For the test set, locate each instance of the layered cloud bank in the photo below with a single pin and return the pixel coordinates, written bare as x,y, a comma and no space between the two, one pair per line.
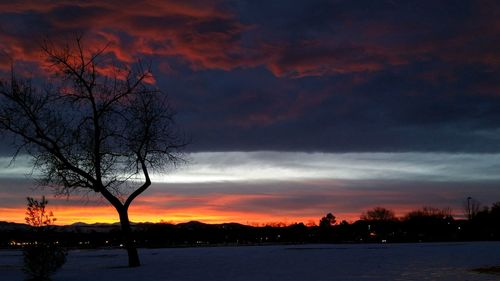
275,166
294,108
304,76
260,187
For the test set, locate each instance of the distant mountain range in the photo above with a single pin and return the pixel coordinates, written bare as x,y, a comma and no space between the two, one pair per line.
82,227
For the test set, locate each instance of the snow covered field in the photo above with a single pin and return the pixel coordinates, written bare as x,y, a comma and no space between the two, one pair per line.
426,261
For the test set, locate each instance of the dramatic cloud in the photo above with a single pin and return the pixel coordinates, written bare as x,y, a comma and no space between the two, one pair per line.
205,35
262,187
294,108
270,166
307,39
308,76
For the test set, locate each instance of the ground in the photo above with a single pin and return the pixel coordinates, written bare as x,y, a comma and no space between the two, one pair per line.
425,261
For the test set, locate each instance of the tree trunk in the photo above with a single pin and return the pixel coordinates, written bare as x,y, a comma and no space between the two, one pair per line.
128,241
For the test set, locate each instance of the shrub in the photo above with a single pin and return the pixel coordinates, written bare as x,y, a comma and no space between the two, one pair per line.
41,261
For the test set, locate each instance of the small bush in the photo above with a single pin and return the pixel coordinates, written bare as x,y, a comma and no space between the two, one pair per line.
41,261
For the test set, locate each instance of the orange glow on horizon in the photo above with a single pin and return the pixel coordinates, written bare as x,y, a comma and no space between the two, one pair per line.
106,214
213,208
259,208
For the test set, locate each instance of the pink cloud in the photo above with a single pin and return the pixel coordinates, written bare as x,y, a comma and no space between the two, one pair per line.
208,35
202,33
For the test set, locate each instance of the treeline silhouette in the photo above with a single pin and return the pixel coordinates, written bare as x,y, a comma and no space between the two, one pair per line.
375,226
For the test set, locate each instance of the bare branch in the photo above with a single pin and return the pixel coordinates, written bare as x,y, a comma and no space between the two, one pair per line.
92,131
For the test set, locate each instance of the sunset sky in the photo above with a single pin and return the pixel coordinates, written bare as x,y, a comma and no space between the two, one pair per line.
295,108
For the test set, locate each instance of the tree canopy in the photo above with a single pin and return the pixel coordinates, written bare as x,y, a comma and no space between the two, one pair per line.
95,125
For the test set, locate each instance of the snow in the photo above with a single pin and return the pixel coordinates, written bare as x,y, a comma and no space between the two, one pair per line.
425,261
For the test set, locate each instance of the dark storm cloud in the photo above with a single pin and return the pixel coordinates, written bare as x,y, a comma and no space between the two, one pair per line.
299,75
352,76
387,111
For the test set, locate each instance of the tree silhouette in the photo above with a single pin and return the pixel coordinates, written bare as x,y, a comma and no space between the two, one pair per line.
379,214
36,215
327,221
96,126
429,212
43,258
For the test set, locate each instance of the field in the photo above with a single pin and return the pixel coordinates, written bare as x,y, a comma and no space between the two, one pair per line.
425,261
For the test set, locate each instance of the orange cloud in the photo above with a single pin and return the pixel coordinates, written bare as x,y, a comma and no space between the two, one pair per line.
209,35
317,58
298,202
203,33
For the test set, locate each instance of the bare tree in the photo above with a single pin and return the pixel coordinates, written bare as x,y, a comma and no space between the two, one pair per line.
95,126
379,214
430,212
36,214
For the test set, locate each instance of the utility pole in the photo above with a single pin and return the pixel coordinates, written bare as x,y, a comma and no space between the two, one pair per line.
469,212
